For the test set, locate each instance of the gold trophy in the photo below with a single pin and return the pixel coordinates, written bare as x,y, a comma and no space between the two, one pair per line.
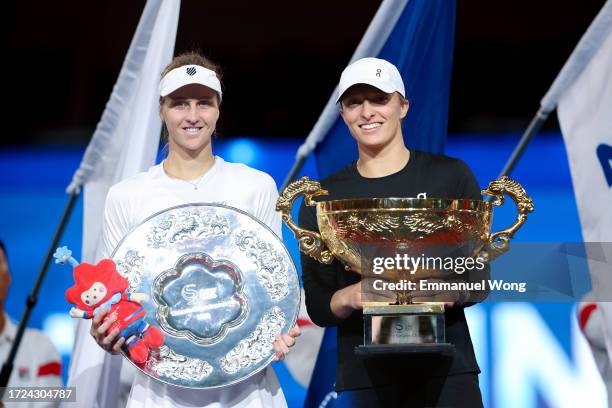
400,227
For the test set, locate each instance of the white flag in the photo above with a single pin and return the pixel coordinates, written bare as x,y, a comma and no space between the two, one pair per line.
585,114
124,143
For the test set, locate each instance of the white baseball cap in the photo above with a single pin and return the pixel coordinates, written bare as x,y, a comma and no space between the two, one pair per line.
377,72
186,75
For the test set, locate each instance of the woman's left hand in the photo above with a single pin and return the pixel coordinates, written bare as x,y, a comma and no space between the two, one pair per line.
284,342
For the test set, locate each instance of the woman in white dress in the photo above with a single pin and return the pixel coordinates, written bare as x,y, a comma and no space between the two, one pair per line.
190,97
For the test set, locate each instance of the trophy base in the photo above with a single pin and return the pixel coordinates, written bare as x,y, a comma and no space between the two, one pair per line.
414,325
446,349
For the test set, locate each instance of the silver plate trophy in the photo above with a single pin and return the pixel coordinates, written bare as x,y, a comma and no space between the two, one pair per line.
222,285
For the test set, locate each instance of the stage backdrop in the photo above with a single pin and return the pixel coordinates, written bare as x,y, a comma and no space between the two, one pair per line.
531,355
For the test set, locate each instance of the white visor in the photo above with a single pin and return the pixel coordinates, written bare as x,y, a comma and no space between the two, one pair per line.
186,75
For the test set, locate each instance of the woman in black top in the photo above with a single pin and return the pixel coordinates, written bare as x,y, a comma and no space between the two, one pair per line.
373,104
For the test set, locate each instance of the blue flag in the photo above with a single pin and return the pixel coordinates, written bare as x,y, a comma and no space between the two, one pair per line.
420,44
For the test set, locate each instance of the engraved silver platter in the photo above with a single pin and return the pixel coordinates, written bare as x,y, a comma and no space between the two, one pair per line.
221,286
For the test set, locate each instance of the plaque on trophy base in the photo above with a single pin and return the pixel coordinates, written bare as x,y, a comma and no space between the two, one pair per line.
405,329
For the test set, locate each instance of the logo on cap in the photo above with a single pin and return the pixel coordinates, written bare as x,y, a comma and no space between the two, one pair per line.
191,71
378,72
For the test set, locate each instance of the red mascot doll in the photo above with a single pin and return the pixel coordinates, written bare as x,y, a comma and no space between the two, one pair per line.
99,287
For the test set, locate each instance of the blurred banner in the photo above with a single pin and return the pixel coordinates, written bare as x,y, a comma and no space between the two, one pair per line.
585,116
417,36
124,143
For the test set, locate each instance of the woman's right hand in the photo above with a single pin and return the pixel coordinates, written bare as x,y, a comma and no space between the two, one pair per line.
351,298
99,326
346,300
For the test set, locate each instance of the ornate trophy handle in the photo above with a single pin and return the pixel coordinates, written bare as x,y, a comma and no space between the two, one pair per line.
524,205
310,242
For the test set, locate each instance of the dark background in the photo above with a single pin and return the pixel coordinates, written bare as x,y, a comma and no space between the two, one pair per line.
281,60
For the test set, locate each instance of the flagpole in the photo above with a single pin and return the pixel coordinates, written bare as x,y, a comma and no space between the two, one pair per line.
576,63
533,128
31,300
297,166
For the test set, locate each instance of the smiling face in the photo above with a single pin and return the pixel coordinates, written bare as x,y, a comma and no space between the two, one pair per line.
190,114
373,116
94,294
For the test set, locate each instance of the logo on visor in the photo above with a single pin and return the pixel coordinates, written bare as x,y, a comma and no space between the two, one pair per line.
191,71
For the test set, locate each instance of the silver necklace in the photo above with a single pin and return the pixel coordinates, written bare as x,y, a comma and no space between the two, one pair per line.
195,183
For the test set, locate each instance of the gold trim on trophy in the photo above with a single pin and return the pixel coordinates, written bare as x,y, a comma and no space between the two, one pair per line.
408,226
